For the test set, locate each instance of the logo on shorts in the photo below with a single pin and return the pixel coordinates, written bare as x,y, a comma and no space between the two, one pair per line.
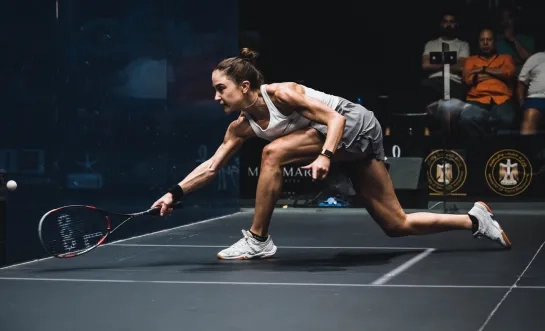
508,172
447,171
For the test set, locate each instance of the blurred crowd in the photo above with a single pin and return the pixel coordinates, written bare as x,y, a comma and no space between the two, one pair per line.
497,87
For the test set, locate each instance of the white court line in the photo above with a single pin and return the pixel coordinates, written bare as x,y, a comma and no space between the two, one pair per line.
283,247
510,289
190,282
136,237
385,278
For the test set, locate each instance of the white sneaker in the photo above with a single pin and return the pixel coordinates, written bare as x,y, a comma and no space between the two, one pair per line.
248,248
488,226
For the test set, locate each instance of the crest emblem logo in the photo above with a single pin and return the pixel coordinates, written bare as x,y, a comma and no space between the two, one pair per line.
447,171
508,172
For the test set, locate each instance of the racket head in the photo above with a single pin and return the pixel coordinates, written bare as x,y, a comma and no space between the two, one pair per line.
73,230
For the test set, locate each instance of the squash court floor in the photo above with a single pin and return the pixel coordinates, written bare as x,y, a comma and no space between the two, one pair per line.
334,270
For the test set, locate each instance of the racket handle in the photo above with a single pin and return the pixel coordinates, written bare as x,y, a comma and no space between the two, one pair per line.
155,211
177,205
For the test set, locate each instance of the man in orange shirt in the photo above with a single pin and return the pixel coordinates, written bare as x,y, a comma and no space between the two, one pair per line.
490,77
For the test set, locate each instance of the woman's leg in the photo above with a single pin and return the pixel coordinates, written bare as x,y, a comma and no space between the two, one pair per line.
375,191
300,146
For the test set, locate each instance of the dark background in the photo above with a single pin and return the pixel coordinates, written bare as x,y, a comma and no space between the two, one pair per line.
365,49
110,102
109,105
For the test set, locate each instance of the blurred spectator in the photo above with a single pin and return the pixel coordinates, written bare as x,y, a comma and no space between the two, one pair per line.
531,92
433,85
490,78
511,41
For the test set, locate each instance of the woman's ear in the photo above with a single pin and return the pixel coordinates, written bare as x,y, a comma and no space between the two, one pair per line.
245,86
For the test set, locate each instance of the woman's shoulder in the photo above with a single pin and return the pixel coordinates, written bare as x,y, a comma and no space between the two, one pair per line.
273,88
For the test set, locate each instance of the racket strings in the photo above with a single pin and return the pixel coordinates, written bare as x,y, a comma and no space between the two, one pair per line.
69,232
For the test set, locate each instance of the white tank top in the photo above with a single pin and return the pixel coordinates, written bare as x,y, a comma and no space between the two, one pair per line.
330,100
280,124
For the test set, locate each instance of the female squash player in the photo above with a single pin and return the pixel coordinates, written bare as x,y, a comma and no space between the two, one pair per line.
306,125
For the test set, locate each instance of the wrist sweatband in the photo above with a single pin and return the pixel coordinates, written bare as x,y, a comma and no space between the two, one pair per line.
177,192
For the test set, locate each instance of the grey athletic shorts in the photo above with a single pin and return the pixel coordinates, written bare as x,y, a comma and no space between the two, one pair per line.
362,132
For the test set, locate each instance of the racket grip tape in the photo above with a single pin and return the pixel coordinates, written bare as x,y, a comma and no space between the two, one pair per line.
177,205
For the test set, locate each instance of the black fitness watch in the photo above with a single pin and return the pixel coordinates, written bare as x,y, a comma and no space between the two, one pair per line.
326,153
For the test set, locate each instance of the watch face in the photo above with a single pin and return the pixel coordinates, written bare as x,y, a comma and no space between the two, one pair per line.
326,153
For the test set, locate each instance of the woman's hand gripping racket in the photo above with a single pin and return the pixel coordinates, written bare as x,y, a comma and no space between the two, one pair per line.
74,230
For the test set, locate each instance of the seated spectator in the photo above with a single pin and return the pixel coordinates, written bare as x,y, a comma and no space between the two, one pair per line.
512,42
433,85
490,78
531,93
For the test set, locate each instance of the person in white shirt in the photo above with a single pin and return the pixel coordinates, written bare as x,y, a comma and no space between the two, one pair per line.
433,84
531,93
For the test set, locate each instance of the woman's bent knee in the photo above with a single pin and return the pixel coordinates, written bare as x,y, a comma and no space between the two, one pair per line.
395,230
272,154
394,224
298,145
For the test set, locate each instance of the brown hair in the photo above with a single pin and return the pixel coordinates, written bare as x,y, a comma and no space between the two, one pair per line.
242,67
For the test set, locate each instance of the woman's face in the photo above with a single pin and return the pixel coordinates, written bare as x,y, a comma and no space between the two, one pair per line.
228,93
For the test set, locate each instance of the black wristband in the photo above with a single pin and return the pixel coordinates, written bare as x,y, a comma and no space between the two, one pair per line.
177,192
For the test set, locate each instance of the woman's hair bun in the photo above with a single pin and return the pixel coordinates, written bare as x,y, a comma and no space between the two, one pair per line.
249,55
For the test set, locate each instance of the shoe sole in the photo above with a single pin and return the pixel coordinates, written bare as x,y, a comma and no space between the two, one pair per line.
503,234
247,257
